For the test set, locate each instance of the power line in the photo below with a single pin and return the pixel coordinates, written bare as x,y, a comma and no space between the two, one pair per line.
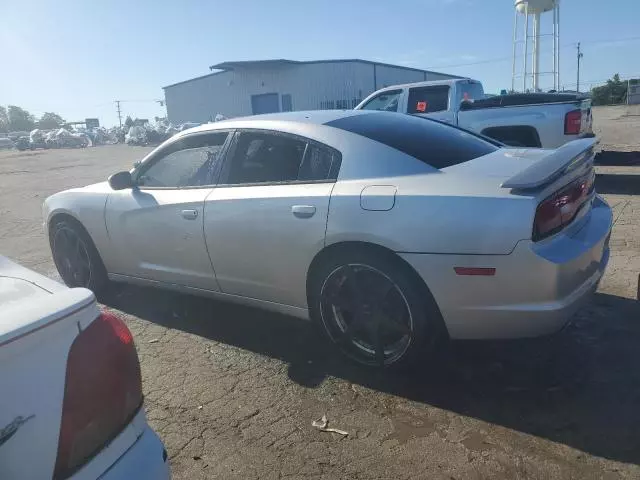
503,59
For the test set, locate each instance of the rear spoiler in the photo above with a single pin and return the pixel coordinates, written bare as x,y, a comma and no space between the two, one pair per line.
554,165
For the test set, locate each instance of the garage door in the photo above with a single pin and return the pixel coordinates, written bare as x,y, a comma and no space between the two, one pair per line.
265,103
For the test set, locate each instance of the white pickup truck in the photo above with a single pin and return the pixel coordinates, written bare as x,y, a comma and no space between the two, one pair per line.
71,402
546,120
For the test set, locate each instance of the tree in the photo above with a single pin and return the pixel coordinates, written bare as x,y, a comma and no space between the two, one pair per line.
4,120
19,119
615,91
50,121
128,122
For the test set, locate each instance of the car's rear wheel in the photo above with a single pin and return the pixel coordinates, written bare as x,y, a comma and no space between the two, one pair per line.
76,257
373,309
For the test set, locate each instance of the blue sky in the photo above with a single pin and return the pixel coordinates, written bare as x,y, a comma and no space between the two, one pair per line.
77,57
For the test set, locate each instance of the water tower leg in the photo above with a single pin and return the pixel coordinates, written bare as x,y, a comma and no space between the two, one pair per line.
555,49
515,43
536,52
526,47
558,40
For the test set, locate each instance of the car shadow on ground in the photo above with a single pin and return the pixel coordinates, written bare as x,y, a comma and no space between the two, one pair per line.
580,387
616,158
618,184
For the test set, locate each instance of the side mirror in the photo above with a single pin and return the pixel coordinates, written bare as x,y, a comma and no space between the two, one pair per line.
120,181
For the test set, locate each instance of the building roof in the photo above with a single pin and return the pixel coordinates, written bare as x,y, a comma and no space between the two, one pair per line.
281,62
278,62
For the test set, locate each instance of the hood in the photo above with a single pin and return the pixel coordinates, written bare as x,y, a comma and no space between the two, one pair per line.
101,187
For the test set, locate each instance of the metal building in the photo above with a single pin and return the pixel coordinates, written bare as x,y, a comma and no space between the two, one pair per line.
265,86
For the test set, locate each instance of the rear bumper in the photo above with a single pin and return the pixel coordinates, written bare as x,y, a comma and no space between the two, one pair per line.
535,289
145,460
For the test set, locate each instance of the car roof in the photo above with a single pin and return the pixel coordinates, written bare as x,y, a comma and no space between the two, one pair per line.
317,117
427,83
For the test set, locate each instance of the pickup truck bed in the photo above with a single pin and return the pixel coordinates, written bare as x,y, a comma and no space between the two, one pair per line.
519,99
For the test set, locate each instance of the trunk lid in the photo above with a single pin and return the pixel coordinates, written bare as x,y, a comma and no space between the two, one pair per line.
39,321
526,172
555,164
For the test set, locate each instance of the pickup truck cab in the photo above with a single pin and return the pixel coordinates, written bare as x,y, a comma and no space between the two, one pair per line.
547,120
71,403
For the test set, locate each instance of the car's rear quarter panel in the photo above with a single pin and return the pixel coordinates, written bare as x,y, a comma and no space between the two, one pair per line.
429,217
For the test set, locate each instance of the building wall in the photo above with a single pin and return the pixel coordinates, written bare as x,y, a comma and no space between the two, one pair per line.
312,86
634,93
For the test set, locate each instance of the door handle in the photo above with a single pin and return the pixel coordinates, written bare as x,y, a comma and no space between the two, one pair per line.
303,211
189,214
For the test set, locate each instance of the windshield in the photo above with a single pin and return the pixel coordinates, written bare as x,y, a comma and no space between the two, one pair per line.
385,101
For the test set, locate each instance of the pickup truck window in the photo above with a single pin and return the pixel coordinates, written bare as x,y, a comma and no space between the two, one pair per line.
431,142
428,99
470,91
387,101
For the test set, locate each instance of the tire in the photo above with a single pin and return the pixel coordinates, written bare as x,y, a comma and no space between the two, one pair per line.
76,256
393,302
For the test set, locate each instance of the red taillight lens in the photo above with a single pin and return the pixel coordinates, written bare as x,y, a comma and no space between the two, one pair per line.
561,208
103,391
572,122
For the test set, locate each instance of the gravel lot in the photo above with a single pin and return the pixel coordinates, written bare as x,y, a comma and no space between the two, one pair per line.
233,391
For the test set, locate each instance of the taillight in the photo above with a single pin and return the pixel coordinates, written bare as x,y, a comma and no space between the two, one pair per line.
572,122
103,392
560,209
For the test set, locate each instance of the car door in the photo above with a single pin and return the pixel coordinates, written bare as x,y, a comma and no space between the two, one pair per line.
156,227
266,219
431,101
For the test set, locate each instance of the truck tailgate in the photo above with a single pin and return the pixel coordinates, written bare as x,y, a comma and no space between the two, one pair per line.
37,328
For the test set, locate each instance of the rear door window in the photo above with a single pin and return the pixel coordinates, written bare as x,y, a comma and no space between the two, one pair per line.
428,99
263,157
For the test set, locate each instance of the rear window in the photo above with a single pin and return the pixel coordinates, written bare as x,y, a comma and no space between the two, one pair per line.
428,99
432,142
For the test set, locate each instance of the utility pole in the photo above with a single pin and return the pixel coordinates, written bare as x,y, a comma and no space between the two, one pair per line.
119,113
578,79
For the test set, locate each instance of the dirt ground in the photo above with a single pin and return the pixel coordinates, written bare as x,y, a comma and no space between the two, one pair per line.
232,391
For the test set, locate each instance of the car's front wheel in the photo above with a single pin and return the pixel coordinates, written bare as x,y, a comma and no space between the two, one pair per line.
373,308
76,257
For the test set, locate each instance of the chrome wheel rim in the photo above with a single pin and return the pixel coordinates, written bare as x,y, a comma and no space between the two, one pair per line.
71,257
366,314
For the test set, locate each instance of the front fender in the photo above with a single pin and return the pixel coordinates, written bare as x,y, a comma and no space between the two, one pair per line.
85,206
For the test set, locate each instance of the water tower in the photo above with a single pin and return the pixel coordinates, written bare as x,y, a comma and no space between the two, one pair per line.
526,42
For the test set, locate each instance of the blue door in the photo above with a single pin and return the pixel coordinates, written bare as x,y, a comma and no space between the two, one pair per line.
265,103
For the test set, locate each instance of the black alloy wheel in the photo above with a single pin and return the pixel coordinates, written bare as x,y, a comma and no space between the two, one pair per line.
366,314
71,256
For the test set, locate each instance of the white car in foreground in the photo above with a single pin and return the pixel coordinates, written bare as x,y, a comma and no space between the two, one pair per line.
71,402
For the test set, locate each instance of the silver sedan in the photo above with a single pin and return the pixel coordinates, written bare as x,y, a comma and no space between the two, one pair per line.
391,232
